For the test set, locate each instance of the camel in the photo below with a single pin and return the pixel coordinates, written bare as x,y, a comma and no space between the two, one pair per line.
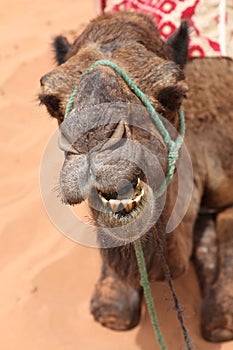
110,142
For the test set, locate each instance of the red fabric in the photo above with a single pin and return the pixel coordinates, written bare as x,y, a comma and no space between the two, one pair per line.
167,15
102,5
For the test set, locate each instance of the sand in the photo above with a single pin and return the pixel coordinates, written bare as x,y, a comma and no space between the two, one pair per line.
46,280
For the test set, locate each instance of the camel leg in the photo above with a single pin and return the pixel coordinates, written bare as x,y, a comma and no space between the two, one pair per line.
115,304
214,260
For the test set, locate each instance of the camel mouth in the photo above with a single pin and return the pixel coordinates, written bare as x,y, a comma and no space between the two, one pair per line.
126,202
126,216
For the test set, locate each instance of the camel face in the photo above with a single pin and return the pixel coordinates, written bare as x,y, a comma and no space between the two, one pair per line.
115,156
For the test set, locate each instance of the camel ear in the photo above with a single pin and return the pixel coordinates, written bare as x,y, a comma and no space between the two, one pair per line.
61,48
171,97
178,41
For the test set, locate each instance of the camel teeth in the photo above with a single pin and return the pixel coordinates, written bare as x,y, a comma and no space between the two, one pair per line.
127,204
125,201
129,207
139,197
104,200
138,186
114,204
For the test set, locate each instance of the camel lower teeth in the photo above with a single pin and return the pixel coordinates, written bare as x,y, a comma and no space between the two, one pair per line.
128,205
117,205
114,204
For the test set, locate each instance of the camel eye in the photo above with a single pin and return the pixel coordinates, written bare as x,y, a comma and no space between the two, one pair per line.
171,97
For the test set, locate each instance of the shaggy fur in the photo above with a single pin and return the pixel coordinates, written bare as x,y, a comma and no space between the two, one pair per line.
132,41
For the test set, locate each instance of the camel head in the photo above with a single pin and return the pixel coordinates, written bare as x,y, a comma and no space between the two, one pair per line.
115,157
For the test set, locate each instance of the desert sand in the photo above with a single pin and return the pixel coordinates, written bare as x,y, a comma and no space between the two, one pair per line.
46,280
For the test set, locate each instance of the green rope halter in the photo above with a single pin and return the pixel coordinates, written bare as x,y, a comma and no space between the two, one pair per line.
173,154
173,146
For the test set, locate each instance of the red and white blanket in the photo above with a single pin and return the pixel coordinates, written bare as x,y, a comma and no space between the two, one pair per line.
211,21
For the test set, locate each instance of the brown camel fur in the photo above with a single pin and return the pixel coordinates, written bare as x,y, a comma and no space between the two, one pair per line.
97,167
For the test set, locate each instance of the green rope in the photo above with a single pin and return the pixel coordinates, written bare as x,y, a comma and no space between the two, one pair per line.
173,146
71,101
173,154
147,292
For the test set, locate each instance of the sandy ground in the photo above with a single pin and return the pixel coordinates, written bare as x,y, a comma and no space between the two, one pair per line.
46,280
